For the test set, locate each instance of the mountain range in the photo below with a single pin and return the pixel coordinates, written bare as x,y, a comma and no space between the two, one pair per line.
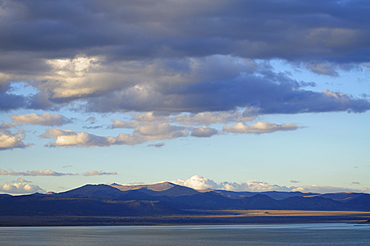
170,199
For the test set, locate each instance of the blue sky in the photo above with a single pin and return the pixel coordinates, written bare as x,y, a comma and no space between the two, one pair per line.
239,95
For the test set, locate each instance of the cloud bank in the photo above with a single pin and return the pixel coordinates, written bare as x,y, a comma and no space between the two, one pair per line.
178,56
201,183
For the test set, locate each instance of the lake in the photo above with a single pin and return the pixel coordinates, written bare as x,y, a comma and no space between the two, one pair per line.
194,235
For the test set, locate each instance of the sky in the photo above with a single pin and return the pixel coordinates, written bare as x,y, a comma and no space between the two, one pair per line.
250,95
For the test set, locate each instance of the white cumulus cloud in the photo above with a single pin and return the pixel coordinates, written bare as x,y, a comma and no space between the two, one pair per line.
198,182
83,139
20,188
72,138
9,140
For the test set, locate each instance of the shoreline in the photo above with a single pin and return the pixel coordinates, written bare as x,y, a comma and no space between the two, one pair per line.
223,217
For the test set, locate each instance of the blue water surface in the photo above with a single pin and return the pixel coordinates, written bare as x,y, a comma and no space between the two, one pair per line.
193,235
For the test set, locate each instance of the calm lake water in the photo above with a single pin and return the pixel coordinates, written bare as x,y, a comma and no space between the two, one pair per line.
202,235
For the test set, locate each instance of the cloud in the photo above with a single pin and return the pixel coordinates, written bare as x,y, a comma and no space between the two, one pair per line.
98,173
323,189
320,68
45,119
10,101
147,127
21,180
72,138
160,131
149,117
49,172
157,145
153,126
5,125
270,93
200,183
178,69
129,139
9,140
123,124
91,120
55,132
92,127
327,30
46,172
20,188
208,118
197,182
255,186
260,127
203,132
181,56
83,139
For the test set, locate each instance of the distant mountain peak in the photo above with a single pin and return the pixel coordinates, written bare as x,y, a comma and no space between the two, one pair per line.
162,186
92,190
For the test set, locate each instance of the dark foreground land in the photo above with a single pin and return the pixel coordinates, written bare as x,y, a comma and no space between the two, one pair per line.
224,217
169,204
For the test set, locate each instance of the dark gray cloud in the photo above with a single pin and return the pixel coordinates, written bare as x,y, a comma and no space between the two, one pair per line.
169,28
179,56
270,94
92,127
